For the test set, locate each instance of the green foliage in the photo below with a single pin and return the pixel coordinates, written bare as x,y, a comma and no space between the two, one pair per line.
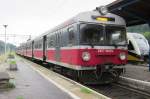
143,29
147,36
10,85
85,90
10,47
2,58
20,97
139,28
13,62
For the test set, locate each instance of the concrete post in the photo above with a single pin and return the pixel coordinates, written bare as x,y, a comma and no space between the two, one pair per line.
5,26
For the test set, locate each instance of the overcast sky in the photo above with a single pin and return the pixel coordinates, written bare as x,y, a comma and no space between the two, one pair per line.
33,17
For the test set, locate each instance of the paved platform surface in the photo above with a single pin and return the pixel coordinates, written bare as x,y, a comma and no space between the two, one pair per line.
138,72
30,85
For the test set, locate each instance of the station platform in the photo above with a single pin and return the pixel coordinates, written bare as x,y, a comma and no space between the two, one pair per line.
137,77
33,81
30,85
139,72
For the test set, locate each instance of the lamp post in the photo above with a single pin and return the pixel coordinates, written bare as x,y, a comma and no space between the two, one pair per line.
5,26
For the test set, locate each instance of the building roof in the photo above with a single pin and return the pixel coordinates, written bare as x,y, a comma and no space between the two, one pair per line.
135,12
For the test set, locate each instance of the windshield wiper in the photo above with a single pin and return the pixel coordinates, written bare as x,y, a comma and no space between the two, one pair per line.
115,45
91,44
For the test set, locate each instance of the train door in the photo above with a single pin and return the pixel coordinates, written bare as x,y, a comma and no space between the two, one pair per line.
44,47
57,47
32,49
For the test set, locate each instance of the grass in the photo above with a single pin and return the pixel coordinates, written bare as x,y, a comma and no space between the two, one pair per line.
2,58
12,62
85,90
20,97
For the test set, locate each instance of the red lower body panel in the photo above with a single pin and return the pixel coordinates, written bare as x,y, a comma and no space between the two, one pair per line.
38,54
98,57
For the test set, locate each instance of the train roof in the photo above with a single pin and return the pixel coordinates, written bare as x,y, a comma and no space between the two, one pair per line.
87,17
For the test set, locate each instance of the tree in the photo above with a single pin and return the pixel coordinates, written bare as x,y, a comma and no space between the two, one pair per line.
147,35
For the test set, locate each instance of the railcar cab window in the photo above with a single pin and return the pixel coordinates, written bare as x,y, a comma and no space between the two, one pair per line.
115,35
91,34
71,35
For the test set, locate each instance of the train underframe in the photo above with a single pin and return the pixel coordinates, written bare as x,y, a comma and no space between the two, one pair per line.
91,77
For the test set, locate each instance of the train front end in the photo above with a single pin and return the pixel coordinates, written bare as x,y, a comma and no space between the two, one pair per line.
103,48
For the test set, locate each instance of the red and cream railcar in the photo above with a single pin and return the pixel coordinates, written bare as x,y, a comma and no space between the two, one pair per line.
29,49
21,50
91,47
38,48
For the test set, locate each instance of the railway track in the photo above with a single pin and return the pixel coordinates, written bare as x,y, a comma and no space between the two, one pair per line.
119,91
133,89
116,90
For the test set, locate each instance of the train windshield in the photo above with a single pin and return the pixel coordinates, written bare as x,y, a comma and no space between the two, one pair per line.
115,35
91,34
102,35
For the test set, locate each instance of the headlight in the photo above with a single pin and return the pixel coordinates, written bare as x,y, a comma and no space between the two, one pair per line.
86,56
122,56
103,10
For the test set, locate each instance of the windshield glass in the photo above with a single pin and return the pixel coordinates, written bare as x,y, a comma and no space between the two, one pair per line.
91,34
99,35
115,35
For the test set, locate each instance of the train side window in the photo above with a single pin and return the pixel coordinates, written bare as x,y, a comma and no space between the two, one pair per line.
50,44
71,35
130,46
60,37
52,40
41,44
49,41
37,44
64,36
55,39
